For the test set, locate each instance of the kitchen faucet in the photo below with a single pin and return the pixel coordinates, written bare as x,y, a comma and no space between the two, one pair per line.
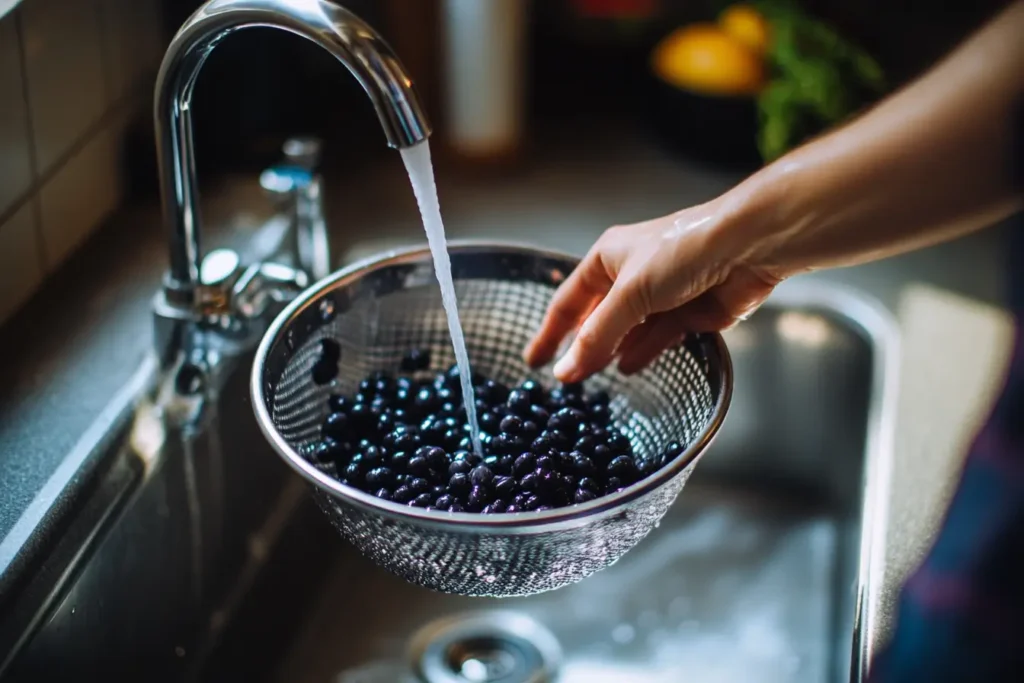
218,295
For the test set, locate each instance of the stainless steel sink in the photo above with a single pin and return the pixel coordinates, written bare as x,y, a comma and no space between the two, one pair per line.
759,572
208,562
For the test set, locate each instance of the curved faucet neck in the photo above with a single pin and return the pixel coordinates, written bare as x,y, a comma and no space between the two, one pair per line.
330,26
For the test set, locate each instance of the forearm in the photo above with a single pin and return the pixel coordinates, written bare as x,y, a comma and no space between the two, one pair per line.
932,162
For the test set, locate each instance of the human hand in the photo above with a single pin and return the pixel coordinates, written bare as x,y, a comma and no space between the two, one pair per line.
642,287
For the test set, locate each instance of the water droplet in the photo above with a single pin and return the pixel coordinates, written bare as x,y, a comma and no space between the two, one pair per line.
327,309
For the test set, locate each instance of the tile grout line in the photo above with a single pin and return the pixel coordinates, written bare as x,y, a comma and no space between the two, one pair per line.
33,162
119,107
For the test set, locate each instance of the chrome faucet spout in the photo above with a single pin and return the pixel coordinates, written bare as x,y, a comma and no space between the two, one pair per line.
332,27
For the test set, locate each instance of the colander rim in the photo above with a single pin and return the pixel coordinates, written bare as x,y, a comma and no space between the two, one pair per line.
527,522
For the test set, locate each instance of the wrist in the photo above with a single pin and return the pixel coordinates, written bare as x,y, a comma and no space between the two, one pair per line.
754,223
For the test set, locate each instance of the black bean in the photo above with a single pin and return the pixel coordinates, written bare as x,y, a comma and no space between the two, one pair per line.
407,441
519,402
417,359
524,464
582,465
622,467
489,422
548,483
329,450
336,426
496,508
512,424
459,467
403,494
380,477
585,445
546,463
354,473
423,500
600,415
469,456
372,456
505,487
436,457
324,370
418,465
399,461
339,403
478,498
459,484
481,476
533,389
583,496
602,455
619,444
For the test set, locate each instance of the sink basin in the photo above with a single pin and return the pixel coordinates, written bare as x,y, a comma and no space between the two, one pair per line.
211,562
757,574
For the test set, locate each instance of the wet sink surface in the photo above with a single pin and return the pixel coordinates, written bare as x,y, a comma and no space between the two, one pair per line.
751,576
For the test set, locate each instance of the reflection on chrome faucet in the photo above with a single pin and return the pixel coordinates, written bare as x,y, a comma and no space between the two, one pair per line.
332,27
295,186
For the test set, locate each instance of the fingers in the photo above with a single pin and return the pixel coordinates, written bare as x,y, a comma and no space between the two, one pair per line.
599,336
666,329
575,298
717,309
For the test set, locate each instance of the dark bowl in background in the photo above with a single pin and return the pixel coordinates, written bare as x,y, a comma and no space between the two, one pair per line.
715,130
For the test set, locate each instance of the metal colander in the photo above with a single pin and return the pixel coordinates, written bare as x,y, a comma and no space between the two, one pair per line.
381,309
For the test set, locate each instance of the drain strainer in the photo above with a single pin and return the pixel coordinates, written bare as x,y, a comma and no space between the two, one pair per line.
485,647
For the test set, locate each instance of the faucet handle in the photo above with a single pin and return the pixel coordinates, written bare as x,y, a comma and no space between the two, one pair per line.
230,291
218,274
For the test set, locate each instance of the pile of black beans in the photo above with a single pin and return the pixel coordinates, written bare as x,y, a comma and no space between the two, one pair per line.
406,439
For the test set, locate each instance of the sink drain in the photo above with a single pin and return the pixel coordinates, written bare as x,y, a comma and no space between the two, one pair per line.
485,647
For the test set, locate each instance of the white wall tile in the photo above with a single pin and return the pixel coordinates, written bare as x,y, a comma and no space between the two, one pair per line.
132,41
79,196
63,62
21,264
15,153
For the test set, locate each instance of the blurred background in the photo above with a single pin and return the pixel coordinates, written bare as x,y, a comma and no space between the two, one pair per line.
553,119
522,94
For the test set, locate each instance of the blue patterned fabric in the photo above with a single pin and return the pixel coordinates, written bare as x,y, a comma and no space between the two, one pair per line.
961,615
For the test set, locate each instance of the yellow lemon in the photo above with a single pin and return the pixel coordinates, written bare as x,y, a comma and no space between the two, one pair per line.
747,25
703,58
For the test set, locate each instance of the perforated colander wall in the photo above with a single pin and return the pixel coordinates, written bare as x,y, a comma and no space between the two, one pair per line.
380,316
